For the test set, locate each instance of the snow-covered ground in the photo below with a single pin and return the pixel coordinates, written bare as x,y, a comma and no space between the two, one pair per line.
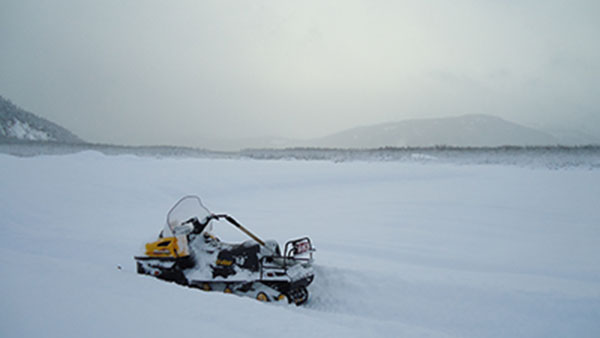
404,249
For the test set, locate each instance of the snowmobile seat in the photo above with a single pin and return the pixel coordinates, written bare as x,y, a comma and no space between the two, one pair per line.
243,255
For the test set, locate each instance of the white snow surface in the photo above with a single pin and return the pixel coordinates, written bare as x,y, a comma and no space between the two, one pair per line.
403,249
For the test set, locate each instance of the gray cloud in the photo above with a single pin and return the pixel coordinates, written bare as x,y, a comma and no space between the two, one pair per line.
143,72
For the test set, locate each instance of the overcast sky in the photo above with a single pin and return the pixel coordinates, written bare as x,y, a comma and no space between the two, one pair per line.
168,72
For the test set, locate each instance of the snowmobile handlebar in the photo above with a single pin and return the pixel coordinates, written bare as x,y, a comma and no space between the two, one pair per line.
197,226
194,221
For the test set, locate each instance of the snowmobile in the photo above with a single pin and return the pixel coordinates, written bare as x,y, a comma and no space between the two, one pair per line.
188,253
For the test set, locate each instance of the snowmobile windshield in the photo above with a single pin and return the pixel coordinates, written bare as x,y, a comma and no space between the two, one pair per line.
188,210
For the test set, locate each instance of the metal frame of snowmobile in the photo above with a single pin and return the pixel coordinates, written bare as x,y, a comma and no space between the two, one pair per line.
293,245
278,285
290,248
288,256
278,274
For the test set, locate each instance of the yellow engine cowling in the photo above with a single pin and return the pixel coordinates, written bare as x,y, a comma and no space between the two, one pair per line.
168,247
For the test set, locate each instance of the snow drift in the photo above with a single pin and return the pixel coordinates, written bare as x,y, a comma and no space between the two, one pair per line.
404,249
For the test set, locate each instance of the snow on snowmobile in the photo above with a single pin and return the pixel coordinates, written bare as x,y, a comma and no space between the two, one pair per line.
188,253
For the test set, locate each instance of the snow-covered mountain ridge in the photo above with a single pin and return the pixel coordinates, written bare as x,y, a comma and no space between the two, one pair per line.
473,130
17,124
462,131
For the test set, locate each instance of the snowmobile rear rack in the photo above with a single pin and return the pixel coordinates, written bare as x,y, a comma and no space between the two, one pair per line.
293,249
297,247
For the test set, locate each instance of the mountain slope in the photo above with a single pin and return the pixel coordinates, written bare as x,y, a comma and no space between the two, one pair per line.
17,124
467,130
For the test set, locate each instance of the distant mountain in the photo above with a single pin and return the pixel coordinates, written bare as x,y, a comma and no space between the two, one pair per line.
462,131
577,129
572,137
17,124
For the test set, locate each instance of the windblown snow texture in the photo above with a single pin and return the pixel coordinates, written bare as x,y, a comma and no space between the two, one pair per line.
403,249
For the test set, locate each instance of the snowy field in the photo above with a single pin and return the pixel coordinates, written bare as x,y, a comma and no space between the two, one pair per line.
404,249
